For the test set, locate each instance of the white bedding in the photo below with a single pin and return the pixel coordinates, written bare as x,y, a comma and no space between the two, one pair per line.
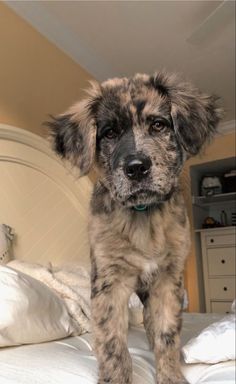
71,360
221,373
215,344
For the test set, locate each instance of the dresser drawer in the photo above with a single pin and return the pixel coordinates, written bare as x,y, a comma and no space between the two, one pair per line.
222,289
221,306
216,240
221,261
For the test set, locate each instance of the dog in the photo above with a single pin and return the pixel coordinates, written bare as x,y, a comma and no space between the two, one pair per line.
137,132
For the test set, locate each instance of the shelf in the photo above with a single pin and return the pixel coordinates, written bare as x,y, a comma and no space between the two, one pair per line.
209,200
227,228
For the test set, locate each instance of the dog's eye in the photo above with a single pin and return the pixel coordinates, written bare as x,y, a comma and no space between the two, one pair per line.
157,126
110,133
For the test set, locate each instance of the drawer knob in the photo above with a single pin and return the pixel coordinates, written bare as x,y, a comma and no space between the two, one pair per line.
222,261
212,240
225,289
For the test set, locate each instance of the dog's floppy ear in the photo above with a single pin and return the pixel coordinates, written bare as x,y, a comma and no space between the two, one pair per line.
195,115
74,132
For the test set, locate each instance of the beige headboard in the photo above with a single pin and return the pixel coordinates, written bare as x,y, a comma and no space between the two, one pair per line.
41,200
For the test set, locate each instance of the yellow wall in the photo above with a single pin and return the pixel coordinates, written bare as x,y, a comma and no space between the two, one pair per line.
222,147
36,78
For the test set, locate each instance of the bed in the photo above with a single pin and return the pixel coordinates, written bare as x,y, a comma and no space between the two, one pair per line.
38,195
71,360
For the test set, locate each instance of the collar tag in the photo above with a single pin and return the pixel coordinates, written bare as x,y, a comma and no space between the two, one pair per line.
140,207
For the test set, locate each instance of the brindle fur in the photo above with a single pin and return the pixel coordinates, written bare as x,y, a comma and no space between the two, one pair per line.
136,251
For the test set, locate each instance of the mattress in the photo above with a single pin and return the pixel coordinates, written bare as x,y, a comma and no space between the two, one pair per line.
71,360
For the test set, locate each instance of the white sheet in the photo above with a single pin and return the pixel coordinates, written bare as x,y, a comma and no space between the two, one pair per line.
71,360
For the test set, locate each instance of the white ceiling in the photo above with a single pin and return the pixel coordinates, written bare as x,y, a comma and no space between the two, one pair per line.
117,38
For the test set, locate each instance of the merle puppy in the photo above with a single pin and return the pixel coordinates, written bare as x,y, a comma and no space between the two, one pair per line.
137,132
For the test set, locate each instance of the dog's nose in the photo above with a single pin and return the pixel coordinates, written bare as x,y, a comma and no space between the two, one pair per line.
137,167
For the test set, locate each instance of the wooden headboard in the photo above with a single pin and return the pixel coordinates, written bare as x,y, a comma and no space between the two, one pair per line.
42,201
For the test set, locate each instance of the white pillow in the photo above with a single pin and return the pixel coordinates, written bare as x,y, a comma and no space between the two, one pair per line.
214,344
29,311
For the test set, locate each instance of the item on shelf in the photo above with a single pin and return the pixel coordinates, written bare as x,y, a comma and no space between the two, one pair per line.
211,185
223,218
229,181
210,222
234,218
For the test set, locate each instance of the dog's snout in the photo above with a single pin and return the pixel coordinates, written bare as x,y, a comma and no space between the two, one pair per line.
137,167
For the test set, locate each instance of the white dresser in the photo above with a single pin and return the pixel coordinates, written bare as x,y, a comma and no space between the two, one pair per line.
218,258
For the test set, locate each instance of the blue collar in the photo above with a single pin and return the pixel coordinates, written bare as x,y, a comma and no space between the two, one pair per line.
140,207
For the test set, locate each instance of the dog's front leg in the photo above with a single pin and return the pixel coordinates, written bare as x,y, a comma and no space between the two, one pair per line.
109,303
162,320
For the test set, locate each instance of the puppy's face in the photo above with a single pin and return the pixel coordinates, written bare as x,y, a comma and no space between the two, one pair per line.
138,132
137,151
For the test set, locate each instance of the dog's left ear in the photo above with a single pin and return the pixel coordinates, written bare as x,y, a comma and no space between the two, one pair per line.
74,132
195,116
